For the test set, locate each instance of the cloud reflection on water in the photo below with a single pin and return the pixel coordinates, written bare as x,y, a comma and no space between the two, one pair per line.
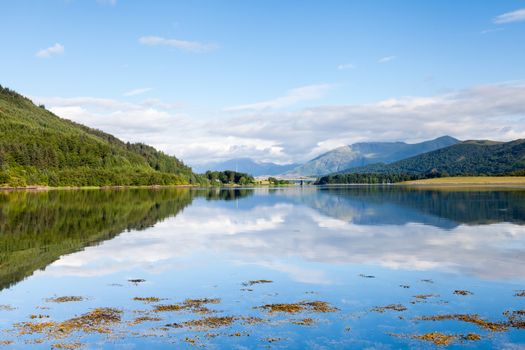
288,232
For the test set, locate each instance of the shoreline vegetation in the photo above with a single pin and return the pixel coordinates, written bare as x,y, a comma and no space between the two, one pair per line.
459,181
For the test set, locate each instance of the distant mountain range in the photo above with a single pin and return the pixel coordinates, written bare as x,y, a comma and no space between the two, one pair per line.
364,153
466,158
246,165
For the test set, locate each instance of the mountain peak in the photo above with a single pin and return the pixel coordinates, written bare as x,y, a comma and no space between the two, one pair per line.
364,153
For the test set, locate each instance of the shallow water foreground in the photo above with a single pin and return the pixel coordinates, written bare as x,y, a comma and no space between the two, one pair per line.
320,268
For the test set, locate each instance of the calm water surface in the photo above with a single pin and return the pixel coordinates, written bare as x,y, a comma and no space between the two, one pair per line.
356,248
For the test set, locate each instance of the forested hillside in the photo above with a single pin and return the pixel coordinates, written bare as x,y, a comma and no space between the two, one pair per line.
40,148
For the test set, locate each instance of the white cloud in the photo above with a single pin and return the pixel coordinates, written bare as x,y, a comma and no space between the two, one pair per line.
121,118
346,66
184,45
136,92
509,17
386,59
56,49
490,111
294,96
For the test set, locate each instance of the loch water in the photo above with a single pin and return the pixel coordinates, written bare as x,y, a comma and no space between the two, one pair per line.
350,267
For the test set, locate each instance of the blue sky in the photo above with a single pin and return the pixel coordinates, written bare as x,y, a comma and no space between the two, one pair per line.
272,80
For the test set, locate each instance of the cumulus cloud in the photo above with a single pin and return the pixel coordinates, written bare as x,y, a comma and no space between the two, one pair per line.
54,50
386,59
184,45
294,96
122,118
266,133
479,112
509,17
136,92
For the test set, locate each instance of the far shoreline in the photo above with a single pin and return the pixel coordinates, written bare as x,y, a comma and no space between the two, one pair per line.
122,187
441,182
474,181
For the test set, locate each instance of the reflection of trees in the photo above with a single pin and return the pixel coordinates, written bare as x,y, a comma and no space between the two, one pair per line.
36,228
228,193
443,208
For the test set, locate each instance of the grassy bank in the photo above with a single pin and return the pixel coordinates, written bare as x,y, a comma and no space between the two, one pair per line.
471,181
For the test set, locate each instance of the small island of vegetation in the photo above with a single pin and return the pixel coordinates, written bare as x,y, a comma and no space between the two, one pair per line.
229,177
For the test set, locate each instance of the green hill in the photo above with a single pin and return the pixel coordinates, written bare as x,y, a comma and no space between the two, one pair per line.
469,158
40,148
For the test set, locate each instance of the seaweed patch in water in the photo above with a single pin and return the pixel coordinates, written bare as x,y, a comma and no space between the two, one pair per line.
193,305
442,339
471,337
320,306
35,327
65,299
304,322
516,318
394,307
98,320
192,340
196,303
168,307
292,308
288,308
421,298
473,318
425,296
462,292
251,283
437,338
70,346
148,299
38,316
143,319
210,322
251,320
272,339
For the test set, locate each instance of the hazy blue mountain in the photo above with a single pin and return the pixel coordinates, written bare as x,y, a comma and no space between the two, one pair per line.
364,153
246,165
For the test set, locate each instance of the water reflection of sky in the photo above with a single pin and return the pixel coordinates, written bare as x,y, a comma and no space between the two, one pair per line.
313,245
267,234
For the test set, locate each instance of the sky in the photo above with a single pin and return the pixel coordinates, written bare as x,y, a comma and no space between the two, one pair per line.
273,80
